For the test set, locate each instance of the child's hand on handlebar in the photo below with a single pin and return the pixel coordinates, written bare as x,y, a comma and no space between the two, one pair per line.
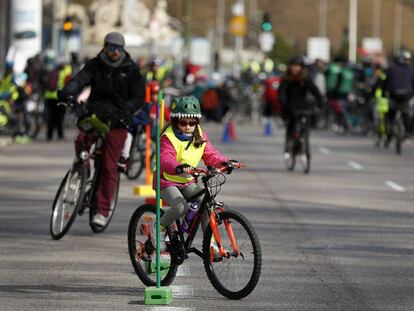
231,164
184,169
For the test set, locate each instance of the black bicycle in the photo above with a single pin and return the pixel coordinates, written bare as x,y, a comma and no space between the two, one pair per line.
230,252
77,191
298,144
136,160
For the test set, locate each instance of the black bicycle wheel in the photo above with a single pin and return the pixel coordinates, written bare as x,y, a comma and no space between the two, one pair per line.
67,202
289,157
398,134
136,162
32,125
306,155
235,276
112,206
142,253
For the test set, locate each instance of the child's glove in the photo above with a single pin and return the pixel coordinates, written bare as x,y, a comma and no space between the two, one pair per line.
230,165
183,168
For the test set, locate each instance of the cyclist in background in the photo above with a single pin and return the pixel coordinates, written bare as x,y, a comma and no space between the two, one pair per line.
183,144
117,92
295,86
140,120
400,86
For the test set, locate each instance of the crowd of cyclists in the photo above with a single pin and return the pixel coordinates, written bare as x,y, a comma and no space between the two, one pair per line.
363,98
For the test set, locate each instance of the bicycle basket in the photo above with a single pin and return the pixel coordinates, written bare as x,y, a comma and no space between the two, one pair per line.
215,183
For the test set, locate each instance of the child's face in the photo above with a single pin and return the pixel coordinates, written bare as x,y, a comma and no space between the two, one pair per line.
187,125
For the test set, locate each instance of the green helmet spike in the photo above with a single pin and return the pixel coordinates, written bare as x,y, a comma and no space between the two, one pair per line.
185,107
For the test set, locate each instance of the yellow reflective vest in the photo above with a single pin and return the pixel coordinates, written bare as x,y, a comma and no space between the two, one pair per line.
62,76
190,156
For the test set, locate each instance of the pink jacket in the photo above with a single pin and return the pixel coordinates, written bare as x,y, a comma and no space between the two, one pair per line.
168,161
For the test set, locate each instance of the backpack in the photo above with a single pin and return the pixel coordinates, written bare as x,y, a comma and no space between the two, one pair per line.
346,82
52,80
210,100
332,77
400,83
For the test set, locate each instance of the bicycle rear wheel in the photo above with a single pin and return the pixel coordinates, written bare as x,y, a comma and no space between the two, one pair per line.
234,277
67,202
112,206
142,252
135,163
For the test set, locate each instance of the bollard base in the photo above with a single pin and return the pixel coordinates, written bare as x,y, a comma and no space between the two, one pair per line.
158,295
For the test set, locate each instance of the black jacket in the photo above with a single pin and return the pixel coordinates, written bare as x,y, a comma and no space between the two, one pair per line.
400,81
293,94
116,93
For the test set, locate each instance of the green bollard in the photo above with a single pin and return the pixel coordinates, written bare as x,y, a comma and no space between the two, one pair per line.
160,295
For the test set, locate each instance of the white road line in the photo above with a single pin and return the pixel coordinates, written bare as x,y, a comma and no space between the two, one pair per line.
355,165
182,291
168,308
395,186
324,150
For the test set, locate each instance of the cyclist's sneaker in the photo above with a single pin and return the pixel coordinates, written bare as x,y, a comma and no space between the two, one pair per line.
153,234
122,164
99,220
214,253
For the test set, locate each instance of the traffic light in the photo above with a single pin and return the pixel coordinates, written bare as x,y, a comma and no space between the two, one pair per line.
266,24
67,25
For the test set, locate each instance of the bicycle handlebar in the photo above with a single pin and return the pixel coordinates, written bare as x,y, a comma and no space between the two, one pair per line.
210,170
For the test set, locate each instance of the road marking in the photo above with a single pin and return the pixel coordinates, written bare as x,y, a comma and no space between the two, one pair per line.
182,291
324,150
355,165
395,186
168,309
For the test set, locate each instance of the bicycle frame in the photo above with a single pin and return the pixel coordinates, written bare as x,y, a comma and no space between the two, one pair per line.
207,205
301,130
94,181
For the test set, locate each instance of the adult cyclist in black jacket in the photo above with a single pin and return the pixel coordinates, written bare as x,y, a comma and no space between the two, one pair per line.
399,84
117,92
293,90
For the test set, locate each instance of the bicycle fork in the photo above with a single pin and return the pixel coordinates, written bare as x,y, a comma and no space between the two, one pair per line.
217,237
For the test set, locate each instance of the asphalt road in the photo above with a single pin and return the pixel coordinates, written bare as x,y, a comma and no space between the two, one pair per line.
340,238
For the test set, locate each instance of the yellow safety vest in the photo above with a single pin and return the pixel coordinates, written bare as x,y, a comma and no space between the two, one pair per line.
63,74
191,156
381,101
7,86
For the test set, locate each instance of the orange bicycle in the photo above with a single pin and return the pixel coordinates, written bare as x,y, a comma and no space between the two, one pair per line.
230,249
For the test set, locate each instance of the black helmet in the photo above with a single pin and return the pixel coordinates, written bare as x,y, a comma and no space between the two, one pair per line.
297,60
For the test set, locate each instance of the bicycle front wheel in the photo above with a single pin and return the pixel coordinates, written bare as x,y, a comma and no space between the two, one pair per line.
68,201
399,135
306,155
142,252
236,275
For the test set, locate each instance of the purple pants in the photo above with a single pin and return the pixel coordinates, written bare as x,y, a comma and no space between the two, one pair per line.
111,152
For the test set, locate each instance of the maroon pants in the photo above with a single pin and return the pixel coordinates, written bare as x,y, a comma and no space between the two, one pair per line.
111,152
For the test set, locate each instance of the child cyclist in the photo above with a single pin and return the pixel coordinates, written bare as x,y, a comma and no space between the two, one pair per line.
183,144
